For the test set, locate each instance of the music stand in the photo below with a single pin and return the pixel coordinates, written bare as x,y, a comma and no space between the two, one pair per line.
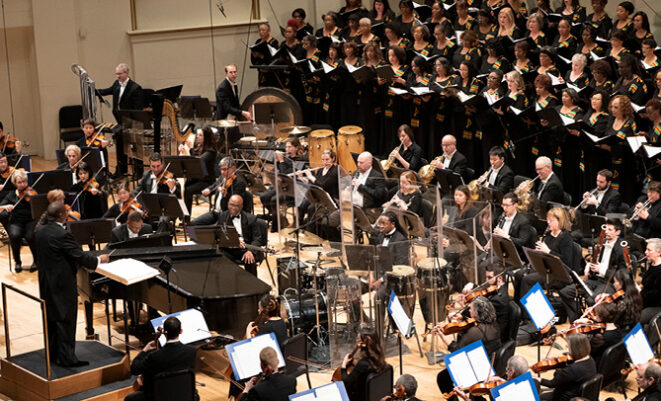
217,235
465,240
492,195
369,258
506,251
448,180
146,241
25,164
92,231
171,93
95,160
360,219
165,205
415,226
285,183
590,224
186,166
548,266
53,179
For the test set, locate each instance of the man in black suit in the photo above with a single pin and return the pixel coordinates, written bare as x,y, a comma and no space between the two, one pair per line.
501,176
227,97
603,199
369,187
275,386
249,234
219,188
58,259
549,187
514,225
648,222
452,159
172,357
648,378
391,236
133,228
148,184
611,259
126,95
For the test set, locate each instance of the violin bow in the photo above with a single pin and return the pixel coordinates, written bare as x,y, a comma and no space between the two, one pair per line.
83,190
165,170
120,209
81,159
26,192
12,173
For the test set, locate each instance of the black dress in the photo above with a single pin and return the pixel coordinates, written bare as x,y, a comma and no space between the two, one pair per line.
91,206
277,327
356,380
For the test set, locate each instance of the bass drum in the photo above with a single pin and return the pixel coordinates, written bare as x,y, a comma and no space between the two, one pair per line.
302,317
350,139
433,283
401,280
318,141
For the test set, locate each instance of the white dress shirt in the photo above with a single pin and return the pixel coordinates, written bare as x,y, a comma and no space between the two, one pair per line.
122,87
493,175
447,159
507,225
357,196
236,221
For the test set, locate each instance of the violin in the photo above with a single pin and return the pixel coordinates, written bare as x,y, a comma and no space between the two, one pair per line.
627,257
91,184
458,327
613,297
131,203
7,173
73,215
26,194
481,293
337,374
96,140
630,369
477,389
399,394
165,177
551,364
7,143
228,182
583,328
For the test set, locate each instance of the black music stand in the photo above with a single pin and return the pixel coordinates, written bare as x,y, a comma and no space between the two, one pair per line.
374,258
39,204
506,251
360,219
590,224
467,242
448,180
165,205
53,179
492,195
146,241
186,166
171,93
220,236
92,231
548,266
95,160
376,164
25,164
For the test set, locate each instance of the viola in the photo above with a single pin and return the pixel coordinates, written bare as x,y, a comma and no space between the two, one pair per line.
165,177
630,369
458,327
399,394
73,215
228,182
583,328
551,364
7,173
95,140
614,296
91,184
477,389
481,293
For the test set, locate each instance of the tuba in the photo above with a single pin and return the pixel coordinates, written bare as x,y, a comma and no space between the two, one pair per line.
426,172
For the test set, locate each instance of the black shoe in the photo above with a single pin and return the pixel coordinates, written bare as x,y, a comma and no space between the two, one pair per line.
33,268
18,268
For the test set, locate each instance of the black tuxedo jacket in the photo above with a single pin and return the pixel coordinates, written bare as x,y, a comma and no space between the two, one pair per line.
145,186
374,190
552,191
610,203
58,258
459,164
171,357
398,246
276,387
121,232
132,98
650,227
521,232
616,260
238,187
504,180
249,228
227,101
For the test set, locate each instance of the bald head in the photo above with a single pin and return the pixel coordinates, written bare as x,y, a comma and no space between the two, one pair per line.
449,144
235,204
364,161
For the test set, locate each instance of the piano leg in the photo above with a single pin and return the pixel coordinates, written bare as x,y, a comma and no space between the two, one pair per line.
108,321
89,322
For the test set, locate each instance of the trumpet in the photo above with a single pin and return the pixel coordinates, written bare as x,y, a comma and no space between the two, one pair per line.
391,158
592,193
629,222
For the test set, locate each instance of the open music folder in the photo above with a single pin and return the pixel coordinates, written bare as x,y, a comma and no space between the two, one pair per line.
244,355
469,365
521,388
328,392
127,271
402,320
193,326
538,307
638,346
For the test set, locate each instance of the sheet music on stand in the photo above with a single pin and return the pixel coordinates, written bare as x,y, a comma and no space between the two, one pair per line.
193,326
328,392
402,320
469,365
538,307
521,388
127,271
244,355
637,345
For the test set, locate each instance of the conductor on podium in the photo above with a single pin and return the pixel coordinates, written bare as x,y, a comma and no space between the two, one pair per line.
59,256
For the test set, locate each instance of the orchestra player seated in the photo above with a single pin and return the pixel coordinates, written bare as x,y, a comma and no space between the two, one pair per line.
368,358
229,183
5,171
611,258
205,149
115,210
16,205
408,197
566,382
606,199
152,360
91,200
651,291
452,159
410,386
514,225
249,234
485,329
325,178
274,386
158,181
549,187
648,379
409,154
501,176
648,222
73,155
133,228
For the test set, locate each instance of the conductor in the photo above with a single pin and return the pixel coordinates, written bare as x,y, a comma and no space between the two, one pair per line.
59,255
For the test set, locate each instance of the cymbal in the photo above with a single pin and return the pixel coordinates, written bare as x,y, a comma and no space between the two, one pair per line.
319,249
296,130
225,123
305,238
357,273
314,261
429,263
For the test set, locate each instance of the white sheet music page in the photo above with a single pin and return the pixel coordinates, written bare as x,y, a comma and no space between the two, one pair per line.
638,348
400,317
127,271
542,314
462,371
517,392
480,363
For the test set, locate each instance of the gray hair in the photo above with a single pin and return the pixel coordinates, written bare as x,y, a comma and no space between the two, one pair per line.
653,371
124,67
409,383
484,310
544,161
518,365
227,162
579,58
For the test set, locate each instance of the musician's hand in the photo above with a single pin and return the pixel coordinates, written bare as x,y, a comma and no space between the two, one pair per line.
150,346
574,132
381,81
247,115
355,182
644,214
250,384
206,192
498,110
594,267
592,200
465,291
171,183
604,147
399,80
599,297
541,246
460,393
586,270
94,191
2,187
583,320
248,257
250,328
9,208
18,146
346,361
437,164
500,232
105,258
280,157
543,122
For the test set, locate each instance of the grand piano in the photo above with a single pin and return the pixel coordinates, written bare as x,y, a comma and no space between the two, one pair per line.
200,278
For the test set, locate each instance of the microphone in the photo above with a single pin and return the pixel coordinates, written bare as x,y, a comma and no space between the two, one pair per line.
221,8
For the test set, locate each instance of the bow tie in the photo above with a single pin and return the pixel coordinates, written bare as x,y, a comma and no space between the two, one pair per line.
388,236
237,217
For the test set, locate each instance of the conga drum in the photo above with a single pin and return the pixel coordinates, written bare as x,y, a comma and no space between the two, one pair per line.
350,139
318,141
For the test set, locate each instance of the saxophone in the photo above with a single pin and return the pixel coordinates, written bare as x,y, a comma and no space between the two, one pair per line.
386,164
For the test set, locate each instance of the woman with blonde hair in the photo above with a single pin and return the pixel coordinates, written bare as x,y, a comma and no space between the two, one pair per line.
408,197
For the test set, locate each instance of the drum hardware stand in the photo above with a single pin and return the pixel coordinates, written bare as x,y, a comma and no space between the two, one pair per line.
434,357
321,344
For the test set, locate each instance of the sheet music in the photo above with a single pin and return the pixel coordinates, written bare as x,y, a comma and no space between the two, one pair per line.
462,371
244,355
398,314
469,365
480,362
635,142
328,392
194,327
398,91
637,346
421,90
521,388
127,271
652,150
538,308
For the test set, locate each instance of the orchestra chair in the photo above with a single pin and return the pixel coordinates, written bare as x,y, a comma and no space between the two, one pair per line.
514,321
470,173
175,386
70,130
651,330
566,199
502,356
611,363
379,385
591,388
297,347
